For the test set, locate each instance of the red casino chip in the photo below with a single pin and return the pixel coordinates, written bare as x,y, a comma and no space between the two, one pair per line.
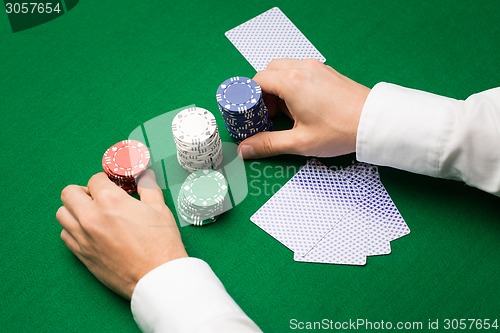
124,162
127,158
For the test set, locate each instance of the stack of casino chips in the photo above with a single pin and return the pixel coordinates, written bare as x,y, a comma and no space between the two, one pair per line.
124,162
242,107
197,139
201,197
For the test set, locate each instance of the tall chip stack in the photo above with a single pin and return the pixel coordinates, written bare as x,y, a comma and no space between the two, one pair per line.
197,139
124,162
242,107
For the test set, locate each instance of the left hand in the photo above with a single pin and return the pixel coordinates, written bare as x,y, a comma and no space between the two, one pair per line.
117,237
324,105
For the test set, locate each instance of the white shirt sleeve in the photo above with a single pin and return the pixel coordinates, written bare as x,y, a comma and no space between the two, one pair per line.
433,135
184,295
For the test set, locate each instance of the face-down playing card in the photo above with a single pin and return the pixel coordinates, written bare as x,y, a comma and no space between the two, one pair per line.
333,217
271,35
307,207
357,234
345,243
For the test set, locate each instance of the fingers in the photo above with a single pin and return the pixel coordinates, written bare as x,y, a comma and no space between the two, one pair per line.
149,191
85,189
271,102
74,247
70,242
68,221
272,82
284,108
266,144
76,199
284,63
101,187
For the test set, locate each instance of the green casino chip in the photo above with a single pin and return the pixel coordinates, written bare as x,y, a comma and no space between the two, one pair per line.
201,198
205,188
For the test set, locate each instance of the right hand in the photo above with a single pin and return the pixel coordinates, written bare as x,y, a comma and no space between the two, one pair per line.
324,105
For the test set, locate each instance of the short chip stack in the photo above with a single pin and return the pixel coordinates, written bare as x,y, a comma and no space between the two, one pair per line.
124,162
242,107
197,139
202,196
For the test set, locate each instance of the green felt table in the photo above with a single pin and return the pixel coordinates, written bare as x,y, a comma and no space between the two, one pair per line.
72,87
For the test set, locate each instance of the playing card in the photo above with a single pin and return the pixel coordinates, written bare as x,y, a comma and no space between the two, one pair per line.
360,173
379,241
307,207
344,244
271,35
335,217
394,223
387,224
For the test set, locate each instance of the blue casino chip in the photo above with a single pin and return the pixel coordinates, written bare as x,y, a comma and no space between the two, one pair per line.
242,107
238,94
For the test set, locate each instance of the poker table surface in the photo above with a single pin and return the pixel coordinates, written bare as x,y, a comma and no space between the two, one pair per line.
72,87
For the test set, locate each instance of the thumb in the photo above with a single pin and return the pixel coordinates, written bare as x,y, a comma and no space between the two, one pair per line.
149,191
266,144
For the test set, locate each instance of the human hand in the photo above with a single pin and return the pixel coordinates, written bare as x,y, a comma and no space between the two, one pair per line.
324,105
118,237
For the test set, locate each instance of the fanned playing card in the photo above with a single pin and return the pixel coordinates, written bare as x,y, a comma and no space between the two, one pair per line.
345,243
271,35
315,194
335,217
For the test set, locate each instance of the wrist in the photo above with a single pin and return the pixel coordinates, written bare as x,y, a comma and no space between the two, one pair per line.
151,266
362,95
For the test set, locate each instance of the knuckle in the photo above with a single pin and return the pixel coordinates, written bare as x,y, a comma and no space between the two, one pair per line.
91,220
158,192
311,62
84,245
85,250
304,143
272,63
268,146
66,192
296,78
94,177
111,196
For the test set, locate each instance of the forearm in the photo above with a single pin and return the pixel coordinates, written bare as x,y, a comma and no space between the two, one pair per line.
433,135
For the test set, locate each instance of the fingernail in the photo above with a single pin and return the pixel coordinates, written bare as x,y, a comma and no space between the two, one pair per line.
147,176
151,173
247,151
147,179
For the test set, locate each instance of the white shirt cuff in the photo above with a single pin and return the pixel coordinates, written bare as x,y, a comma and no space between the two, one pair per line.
433,135
184,295
404,128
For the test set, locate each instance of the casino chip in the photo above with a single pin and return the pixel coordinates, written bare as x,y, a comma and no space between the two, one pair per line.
197,139
202,196
124,162
242,108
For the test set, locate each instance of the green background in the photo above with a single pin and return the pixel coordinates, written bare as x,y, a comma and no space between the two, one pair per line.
72,87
